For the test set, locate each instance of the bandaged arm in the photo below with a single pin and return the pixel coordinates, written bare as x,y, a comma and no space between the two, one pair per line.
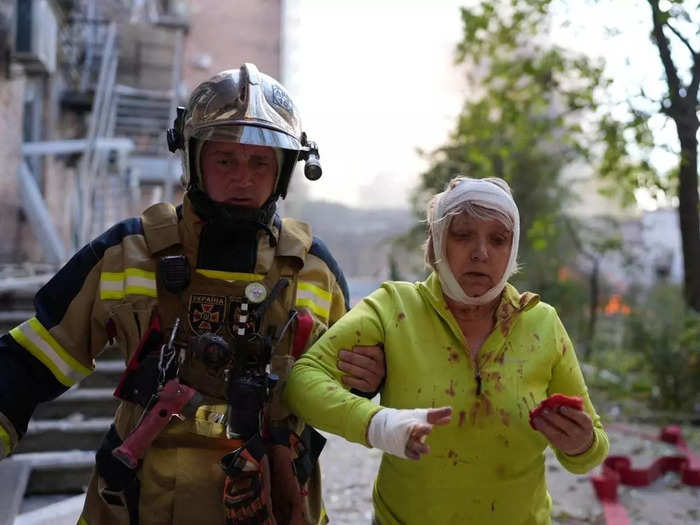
390,429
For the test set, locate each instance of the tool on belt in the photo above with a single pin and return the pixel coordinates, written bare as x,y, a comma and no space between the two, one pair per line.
172,399
170,378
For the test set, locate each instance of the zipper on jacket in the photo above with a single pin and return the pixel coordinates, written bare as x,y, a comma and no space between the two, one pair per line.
477,376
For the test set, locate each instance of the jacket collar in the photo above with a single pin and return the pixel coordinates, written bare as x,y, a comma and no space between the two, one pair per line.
295,241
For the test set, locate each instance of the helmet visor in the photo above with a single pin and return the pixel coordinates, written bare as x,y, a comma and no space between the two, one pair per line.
247,134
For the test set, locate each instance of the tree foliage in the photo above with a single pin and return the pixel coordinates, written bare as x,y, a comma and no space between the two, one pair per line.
674,33
666,335
527,118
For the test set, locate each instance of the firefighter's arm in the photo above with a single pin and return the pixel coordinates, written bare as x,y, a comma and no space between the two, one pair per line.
47,354
315,391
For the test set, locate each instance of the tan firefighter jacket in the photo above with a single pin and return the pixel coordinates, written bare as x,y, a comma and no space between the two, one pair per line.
107,293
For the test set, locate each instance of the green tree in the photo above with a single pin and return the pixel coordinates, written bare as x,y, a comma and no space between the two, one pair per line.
525,119
666,333
674,33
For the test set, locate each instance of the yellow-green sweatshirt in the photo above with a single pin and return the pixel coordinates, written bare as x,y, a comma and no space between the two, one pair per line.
487,465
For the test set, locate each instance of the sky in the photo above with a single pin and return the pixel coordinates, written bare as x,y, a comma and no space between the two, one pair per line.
375,80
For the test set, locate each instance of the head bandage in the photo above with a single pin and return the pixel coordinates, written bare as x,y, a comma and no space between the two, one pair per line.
480,193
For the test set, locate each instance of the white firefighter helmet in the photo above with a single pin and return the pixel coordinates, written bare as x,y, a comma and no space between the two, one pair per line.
245,106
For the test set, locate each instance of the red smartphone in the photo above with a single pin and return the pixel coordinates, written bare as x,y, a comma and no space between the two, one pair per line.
553,403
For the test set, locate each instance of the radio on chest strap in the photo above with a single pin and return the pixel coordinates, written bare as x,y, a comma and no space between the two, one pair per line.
160,224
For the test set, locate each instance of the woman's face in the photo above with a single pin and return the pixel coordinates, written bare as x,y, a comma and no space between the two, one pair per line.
477,252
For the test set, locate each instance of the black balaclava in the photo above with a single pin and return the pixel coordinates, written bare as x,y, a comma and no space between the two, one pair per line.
229,238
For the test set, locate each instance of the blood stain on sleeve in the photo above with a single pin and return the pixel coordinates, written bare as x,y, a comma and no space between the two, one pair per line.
506,442
452,354
451,391
505,417
462,417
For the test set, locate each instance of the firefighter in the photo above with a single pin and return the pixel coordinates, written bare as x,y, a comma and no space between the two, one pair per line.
216,297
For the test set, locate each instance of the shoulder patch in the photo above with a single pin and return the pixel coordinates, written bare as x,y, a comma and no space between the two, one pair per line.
319,249
53,299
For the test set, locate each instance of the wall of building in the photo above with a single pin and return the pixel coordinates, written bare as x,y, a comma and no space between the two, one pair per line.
224,35
11,101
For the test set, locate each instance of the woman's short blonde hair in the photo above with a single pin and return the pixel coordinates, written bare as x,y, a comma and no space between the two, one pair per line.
467,207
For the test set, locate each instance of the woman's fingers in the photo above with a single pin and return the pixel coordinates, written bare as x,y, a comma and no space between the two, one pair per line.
579,417
439,416
569,430
416,446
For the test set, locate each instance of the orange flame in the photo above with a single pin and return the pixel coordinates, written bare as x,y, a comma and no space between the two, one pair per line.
616,306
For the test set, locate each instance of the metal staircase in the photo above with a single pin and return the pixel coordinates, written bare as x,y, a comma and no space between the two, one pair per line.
124,150
144,115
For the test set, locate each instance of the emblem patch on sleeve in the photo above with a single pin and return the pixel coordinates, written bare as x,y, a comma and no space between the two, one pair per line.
207,313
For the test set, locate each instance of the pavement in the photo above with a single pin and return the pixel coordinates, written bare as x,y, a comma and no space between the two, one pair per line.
349,475
349,469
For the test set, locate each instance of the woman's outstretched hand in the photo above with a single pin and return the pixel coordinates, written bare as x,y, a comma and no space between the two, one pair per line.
568,429
416,445
403,432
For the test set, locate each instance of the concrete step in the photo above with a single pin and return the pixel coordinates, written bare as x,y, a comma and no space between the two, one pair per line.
65,510
11,318
63,434
14,476
52,472
85,402
106,375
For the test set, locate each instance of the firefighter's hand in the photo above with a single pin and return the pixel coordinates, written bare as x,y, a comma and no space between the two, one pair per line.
364,367
568,429
287,499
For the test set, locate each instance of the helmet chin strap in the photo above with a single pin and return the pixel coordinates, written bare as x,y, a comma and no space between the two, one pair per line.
229,218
